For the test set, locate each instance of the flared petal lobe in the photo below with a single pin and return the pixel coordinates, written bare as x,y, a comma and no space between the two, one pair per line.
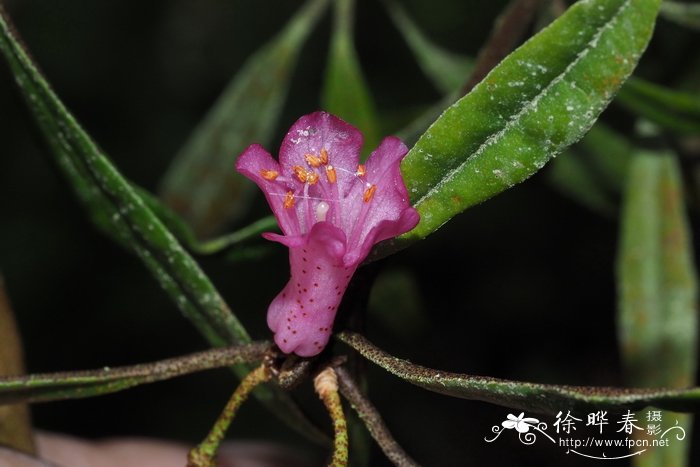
332,210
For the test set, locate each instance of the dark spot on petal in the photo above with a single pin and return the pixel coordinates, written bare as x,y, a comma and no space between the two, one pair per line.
304,259
304,250
318,267
305,290
315,284
303,271
284,340
284,295
294,332
311,300
301,306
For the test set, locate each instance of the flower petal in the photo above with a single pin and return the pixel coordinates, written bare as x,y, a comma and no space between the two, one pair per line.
302,315
321,130
389,212
254,160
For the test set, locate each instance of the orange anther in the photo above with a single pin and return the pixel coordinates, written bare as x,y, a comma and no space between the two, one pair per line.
330,174
269,174
288,200
312,160
369,193
300,173
324,156
361,171
312,177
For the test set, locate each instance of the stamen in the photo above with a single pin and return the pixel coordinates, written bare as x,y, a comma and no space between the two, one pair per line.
361,171
369,193
321,211
312,160
300,173
330,174
324,156
269,174
311,177
288,200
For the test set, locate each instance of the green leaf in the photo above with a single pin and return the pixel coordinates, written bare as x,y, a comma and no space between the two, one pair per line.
573,177
657,313
539,100
676,110
201,184
447,70
594,170
80,384
345,92
686,14
117,209
533,397
185,235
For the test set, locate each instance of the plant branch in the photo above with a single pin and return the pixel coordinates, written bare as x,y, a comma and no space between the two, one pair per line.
326,385
72,385
372,420
204,455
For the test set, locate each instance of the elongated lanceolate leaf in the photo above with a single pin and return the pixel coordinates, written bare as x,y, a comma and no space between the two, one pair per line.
687,14
186,236
117,209
594,170
79,384
345,92
115,205
676,110
539,100
657,313
533,397
201,184
448,71
658,284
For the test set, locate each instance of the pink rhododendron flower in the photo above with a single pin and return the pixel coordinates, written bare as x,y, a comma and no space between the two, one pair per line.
332,210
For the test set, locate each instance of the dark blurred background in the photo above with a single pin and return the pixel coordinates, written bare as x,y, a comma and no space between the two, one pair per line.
521,287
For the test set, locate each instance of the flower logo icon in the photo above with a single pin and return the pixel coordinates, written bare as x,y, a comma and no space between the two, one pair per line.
521,423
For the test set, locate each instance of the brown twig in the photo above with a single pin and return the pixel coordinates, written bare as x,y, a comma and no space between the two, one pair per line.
373,421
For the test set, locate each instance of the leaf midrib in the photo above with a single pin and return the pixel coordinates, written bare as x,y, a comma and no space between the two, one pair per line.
523,110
